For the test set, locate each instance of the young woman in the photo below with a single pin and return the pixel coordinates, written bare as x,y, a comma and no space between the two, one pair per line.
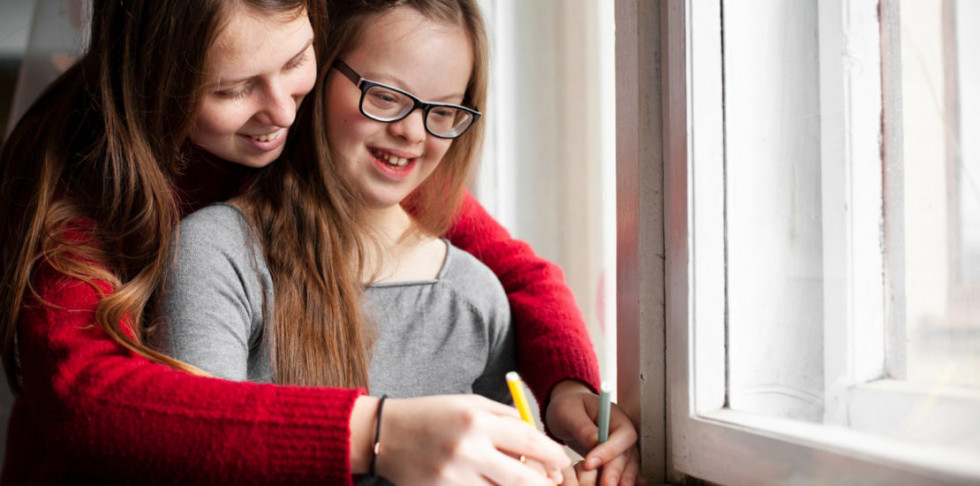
88,195
247,273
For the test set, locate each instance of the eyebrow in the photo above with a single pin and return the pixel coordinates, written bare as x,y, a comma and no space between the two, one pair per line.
231,82
446,99
397,83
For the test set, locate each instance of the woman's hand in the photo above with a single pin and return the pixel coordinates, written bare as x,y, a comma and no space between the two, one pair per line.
462,440
572,415
578,476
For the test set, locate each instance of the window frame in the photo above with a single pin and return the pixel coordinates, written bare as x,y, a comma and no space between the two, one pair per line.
659,141
640,262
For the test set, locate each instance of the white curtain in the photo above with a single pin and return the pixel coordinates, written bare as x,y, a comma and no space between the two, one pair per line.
548,170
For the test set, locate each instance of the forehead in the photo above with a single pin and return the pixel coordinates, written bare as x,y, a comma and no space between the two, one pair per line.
407,27
414,52
250,40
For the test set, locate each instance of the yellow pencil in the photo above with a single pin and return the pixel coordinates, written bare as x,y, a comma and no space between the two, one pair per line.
520,401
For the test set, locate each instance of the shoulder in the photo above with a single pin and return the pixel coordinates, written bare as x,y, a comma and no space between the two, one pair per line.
215,234
218,225
473,281
220,218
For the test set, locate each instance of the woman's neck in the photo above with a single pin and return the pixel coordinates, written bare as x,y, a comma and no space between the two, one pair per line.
206,178
390,224
406,252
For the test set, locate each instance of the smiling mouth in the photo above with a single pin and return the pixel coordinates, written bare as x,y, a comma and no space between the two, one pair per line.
267,137
390,159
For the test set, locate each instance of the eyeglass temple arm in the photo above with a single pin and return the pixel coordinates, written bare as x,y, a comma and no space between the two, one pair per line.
348,72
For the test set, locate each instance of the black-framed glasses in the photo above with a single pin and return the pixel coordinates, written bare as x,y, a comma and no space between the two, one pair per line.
383,103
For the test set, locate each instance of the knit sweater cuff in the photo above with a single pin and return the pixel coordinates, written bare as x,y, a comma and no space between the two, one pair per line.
311,433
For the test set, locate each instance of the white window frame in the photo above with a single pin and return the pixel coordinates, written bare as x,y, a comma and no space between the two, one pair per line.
669,146
640,262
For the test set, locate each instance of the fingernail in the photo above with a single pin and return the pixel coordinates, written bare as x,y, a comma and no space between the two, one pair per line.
592,463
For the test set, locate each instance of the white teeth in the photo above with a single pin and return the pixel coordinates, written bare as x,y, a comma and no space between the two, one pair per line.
392,159
269,137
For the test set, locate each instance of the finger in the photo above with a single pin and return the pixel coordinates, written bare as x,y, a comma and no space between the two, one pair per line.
506,470
575,425
632,471
518,438
613,470
534,465
622,438
584,477
585,435
570,478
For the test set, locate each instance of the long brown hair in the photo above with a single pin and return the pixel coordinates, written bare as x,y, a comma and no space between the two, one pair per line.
307,226
97,153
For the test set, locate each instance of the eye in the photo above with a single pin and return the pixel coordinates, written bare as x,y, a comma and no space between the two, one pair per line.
443,112
383,98
235,94
296,62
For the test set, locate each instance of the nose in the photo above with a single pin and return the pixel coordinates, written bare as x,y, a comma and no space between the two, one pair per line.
411,128
278,106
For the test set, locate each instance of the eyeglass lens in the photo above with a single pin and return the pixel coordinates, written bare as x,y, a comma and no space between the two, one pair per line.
388,105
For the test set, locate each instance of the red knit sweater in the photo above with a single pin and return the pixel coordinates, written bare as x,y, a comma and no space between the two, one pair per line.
92,410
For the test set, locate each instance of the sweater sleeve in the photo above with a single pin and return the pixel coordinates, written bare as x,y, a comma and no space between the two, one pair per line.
553,343
110,414
213,303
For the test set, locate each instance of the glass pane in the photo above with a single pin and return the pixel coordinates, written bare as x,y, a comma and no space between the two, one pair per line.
941,105
773,208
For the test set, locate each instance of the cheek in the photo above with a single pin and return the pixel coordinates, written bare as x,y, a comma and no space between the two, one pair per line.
348,136
436,148
334,113
307,78
346,126
214,121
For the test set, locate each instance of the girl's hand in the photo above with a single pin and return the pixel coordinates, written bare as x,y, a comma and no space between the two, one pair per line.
572,415
578,476
463,440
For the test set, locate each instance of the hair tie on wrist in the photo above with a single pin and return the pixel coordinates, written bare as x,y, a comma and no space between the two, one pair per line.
377,436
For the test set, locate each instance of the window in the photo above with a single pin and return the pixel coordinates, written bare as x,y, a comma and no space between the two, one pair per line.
798,253
940,82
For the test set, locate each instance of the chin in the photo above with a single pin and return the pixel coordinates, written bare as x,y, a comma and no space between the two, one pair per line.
383,202
257,162
261,164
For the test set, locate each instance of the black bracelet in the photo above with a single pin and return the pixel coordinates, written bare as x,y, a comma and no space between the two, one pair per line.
377,436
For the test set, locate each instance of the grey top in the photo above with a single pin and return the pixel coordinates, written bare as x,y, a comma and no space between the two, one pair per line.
447,335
